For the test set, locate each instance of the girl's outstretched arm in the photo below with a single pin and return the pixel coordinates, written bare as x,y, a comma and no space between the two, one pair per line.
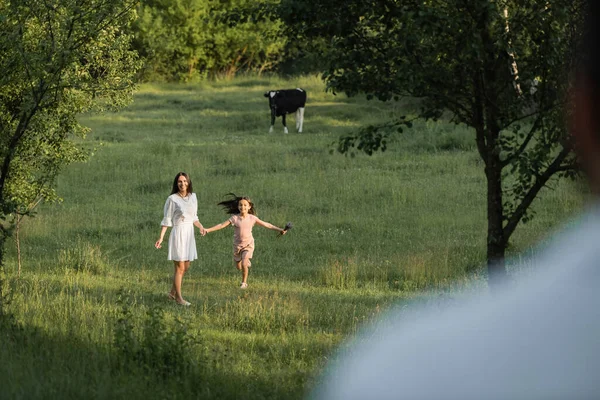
217,227
269,226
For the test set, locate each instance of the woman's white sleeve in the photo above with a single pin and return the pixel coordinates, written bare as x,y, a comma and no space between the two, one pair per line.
196,209
168,213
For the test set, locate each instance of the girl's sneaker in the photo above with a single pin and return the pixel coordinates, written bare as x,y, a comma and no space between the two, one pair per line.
244,285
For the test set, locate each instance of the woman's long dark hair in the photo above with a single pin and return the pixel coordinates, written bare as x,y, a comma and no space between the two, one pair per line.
175,189
231,206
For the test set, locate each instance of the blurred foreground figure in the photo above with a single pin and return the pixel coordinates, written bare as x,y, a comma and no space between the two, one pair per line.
538,340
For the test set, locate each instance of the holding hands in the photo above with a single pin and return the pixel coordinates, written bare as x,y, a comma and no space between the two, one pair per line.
200,227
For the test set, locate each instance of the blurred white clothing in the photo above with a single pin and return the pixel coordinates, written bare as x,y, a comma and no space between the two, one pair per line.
540,339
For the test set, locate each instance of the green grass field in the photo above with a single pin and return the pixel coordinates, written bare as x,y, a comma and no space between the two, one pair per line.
403,226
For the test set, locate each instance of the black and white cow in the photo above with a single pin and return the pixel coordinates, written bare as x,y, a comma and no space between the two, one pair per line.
284,102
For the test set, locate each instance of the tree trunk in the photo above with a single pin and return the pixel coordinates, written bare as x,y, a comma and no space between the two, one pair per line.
4,288
489,134
496,242
514,70
18,242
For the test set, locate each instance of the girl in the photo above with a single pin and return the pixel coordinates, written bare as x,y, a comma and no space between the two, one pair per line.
243,220
180,212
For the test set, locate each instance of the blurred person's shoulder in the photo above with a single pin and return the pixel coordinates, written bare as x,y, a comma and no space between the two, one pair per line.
571,255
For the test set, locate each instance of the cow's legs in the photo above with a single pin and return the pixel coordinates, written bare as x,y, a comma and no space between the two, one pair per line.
272,120
285,129
299,119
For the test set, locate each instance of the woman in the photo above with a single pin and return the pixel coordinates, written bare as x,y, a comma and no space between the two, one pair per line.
180,213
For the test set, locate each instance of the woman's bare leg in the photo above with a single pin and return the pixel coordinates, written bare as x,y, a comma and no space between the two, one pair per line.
179,270
173,292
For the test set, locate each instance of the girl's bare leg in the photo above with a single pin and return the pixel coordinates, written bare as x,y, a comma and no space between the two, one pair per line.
245,265
244,273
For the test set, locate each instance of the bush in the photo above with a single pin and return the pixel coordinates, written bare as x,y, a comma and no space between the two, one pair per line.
159,347
340,274
83,258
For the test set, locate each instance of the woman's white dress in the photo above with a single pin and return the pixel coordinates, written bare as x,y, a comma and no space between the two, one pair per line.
180,214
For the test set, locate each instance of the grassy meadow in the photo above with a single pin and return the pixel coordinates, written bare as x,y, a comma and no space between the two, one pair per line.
403,226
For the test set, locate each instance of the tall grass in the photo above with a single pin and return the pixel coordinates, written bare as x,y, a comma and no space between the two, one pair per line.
92,316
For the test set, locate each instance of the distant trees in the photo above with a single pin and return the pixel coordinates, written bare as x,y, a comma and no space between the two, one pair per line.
500,67
58,59
191,39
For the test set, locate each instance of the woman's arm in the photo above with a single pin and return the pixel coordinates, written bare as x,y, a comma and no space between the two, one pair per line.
217,227
162,235
269,226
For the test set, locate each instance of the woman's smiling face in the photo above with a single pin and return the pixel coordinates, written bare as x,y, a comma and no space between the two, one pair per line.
182,184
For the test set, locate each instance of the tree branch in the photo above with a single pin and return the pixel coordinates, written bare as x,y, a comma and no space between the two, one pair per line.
12,146
531,114
540,182
523,145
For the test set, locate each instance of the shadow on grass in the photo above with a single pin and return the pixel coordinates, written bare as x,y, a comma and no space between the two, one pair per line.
36,365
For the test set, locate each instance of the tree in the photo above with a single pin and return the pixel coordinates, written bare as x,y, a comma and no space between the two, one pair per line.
192,39
58,59
461,57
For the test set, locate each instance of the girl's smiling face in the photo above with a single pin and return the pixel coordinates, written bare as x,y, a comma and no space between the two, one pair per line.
244,206
182,185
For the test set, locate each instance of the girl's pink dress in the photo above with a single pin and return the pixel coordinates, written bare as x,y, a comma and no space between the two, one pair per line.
243,241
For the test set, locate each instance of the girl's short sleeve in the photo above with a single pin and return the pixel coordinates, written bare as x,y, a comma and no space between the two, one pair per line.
232,220
168,213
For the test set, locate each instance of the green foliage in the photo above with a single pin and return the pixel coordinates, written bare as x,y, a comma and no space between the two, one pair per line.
371,138
266,313
125,341
58,60
400,225
83,257
340,274
161,348
500,68
6,317
187,40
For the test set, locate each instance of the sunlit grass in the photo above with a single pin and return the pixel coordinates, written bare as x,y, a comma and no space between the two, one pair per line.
369,232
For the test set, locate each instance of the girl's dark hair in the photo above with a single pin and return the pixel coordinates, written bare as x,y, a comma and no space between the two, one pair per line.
175,189
231,206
